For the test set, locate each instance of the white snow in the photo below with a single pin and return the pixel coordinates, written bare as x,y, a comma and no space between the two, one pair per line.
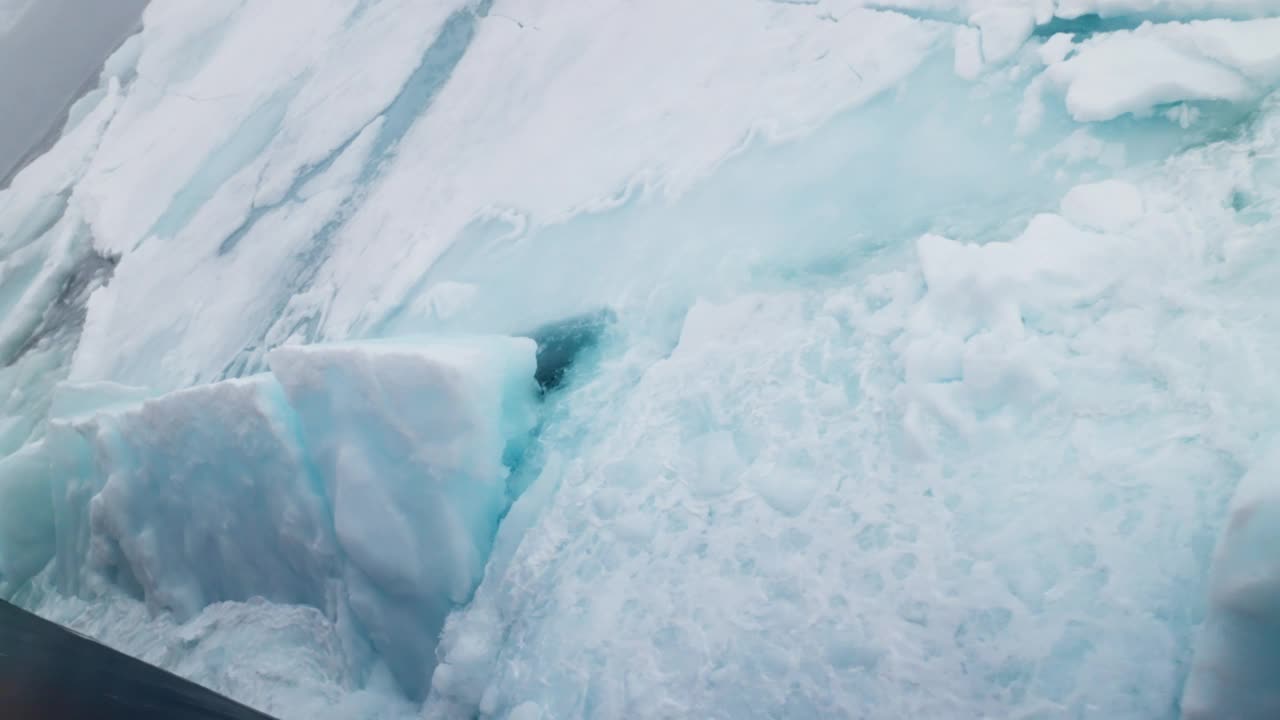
968,44
1004,30
1133,72
368,476
1107,206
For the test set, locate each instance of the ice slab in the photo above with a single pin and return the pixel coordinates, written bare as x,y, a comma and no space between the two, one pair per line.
1108,206
208,497
26,517
1160,64
366,475
1236,672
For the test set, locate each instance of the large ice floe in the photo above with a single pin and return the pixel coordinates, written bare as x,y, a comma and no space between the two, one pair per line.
531,359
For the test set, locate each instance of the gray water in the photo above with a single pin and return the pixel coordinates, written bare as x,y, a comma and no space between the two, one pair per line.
50,53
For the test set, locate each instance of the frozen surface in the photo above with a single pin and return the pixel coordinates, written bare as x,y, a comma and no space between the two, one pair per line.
1239,656
940,338
1134,72
745,512
363,481
409,443
208,498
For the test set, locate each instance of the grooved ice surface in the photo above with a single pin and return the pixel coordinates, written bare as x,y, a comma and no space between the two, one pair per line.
944,333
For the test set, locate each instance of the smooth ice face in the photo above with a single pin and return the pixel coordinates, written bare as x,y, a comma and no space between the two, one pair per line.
409,441
26,516
208,497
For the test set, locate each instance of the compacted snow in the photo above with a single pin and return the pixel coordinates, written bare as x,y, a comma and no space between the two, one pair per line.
511,358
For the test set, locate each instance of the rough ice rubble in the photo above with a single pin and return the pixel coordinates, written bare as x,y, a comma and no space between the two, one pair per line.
206,498
366,476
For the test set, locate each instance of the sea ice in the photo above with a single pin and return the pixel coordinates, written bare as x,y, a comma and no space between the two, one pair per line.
940,335
365,476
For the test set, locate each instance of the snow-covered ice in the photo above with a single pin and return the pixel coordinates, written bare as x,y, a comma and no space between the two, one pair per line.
927,368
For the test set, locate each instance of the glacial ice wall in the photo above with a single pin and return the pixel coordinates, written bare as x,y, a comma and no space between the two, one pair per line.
942,336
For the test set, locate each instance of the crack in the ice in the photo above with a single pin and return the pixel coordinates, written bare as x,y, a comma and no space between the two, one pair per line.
521,25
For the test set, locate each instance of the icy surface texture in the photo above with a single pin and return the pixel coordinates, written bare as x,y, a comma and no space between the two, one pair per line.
363,480
289,661
208,498
943,336
747,513
409,442
1238,661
